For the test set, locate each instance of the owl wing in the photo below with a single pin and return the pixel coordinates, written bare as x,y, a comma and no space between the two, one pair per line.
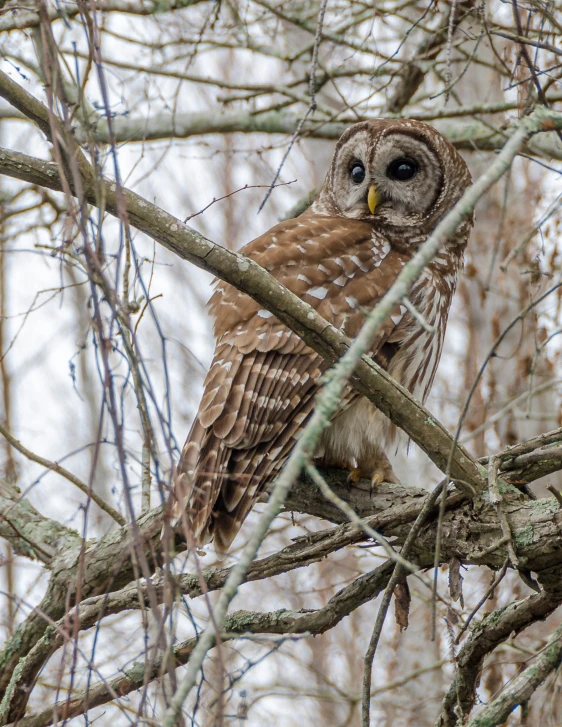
259,392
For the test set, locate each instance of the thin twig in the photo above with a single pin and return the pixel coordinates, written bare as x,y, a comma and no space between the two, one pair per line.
495,582
492,548
146,478
450,31
414,312
354,518
387,596
55,467
315,49
312,107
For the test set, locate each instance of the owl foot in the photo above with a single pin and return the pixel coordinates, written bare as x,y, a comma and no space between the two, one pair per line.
376,480
376,469
357,474
354,476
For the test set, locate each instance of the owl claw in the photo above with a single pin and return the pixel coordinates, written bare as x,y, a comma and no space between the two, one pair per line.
356,474
376,480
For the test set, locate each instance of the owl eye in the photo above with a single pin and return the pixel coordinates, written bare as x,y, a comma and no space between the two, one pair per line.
357,173
402,169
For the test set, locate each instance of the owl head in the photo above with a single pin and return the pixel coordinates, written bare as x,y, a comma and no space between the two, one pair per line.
401,175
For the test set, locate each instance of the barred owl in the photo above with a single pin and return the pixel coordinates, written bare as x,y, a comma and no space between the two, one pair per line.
389,184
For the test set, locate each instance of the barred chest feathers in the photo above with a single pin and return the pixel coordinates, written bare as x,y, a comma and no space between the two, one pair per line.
360,431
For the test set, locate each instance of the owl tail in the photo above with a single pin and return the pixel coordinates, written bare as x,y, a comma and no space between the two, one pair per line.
201,508
215,487
195,484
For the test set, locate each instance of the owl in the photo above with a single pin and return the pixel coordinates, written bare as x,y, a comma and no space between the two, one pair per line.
389,184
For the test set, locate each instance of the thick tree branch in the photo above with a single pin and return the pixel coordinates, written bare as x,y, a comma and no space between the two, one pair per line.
413,73
520,689
303,552
530,460
536,525
102,566
465,135
493,630
31,534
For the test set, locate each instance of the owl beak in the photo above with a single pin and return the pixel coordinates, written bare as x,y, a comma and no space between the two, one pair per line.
373,198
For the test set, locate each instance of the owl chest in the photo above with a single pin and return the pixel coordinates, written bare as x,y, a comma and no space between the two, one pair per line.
421,344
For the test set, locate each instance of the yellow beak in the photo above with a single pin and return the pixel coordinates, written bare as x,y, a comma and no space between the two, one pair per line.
373,198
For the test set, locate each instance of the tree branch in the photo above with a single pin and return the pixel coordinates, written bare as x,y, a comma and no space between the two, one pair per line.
536,526
249,277
63,472
522,687
30,533
465,135
19,19
284,621
493,630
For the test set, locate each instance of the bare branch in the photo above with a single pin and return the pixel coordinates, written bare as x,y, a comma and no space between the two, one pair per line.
523,686
284,621
19,19
493,630
55,467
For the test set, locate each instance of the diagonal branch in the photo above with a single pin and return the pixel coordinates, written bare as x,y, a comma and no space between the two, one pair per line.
63,472
249,277
326,404
493,630
30,533
522,687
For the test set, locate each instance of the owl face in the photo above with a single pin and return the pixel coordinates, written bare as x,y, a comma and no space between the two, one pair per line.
396,173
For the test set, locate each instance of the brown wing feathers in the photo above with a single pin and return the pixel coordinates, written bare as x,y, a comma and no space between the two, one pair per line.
260,389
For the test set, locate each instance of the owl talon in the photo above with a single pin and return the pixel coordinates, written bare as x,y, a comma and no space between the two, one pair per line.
376,480
354,476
